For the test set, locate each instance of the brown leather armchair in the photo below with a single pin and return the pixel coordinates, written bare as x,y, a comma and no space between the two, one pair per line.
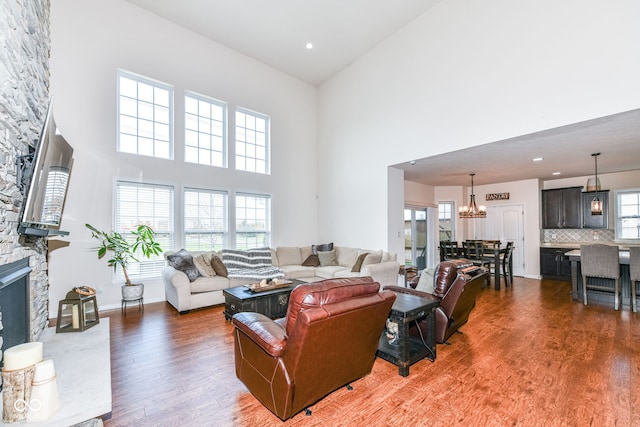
457,284
328,338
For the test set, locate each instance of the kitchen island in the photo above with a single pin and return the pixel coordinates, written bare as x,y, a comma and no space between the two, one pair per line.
602,297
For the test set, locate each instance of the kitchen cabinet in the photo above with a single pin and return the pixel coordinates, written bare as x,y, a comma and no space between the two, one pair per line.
595,221
554,264
562,208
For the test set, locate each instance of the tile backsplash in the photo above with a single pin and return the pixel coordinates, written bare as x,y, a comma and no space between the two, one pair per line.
575,235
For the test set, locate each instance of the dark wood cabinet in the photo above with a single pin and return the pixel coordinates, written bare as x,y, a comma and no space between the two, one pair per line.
554,264
562,208
595,221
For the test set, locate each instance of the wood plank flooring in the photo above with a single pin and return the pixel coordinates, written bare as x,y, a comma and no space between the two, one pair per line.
529,356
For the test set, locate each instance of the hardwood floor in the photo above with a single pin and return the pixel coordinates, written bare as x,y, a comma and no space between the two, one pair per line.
529,356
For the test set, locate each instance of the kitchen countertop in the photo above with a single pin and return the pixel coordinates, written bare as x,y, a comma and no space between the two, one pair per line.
577,244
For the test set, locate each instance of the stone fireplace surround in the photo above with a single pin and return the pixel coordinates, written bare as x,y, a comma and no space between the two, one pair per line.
24,97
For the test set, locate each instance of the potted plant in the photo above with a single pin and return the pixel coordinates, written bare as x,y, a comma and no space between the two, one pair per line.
123,253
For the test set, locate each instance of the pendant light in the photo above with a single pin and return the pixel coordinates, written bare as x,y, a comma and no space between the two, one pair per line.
472,211
596,203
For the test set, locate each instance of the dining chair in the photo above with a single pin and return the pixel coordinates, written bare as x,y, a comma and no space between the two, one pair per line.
448,250
634,275
600,262
507,271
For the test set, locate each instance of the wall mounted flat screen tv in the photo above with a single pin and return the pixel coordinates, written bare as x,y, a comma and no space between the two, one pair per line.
48,180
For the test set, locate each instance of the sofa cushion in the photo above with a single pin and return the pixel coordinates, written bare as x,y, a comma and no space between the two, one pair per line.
289,255
347,256
218,266
208,284
358,264
329,271
297,271
203,264
274,257
183,261
346,273
327,258
373,258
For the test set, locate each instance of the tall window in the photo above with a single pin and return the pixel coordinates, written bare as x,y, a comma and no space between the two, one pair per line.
446,221
148,204
253,221
628,215
205,130
145,116
252,141
205,220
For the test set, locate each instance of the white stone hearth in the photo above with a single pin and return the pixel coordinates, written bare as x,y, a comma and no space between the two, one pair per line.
83,368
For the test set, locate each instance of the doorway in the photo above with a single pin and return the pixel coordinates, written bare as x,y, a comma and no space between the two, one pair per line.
505,223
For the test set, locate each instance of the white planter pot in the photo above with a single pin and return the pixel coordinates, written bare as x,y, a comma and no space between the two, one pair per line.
133,292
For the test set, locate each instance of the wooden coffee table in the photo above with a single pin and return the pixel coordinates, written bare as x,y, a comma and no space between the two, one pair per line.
272,303
407,310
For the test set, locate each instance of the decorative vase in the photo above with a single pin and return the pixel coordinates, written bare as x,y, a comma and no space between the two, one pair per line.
132,292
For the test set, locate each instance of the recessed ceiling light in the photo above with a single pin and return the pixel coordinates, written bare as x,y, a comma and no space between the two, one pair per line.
412,162
309,45
538,159
556,173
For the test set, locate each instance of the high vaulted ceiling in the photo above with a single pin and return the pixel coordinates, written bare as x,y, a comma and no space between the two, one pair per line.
341,31
276,32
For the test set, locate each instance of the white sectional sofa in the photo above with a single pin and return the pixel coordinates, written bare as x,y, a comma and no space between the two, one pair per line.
206,290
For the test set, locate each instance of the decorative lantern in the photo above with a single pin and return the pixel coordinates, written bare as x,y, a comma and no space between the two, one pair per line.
78,311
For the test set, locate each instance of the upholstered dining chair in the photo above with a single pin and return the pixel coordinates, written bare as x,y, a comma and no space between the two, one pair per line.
634,274
601,262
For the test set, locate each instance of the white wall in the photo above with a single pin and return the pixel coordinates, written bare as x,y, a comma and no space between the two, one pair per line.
463,74
90,40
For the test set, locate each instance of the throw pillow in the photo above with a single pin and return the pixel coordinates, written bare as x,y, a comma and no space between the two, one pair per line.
327,258
203,264
373,258
183,261
312,261
218,266
425,284
325,247
358,265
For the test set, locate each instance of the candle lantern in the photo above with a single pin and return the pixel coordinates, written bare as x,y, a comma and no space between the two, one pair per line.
78,311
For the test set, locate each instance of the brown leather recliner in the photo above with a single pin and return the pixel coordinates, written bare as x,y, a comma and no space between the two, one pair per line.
328,338
457,284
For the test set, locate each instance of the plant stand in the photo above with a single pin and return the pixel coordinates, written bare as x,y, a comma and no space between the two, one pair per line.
132,294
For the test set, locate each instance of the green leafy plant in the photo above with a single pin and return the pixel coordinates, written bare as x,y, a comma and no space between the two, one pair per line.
123,251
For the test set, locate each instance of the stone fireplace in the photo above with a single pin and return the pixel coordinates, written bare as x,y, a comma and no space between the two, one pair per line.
24,97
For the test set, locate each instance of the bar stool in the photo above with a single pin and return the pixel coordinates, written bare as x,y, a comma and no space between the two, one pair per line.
603,262
634,274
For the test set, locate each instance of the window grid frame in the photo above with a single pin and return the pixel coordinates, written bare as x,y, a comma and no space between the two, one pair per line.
620,219
154,123
243,145
442,209
145,268
222,234
246,241
224,124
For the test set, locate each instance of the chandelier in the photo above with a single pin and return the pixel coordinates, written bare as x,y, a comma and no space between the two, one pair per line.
472,211
596,203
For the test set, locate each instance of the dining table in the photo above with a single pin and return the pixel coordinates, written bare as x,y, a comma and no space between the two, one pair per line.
495,252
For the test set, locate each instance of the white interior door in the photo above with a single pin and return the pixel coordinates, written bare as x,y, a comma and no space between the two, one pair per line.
505,223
